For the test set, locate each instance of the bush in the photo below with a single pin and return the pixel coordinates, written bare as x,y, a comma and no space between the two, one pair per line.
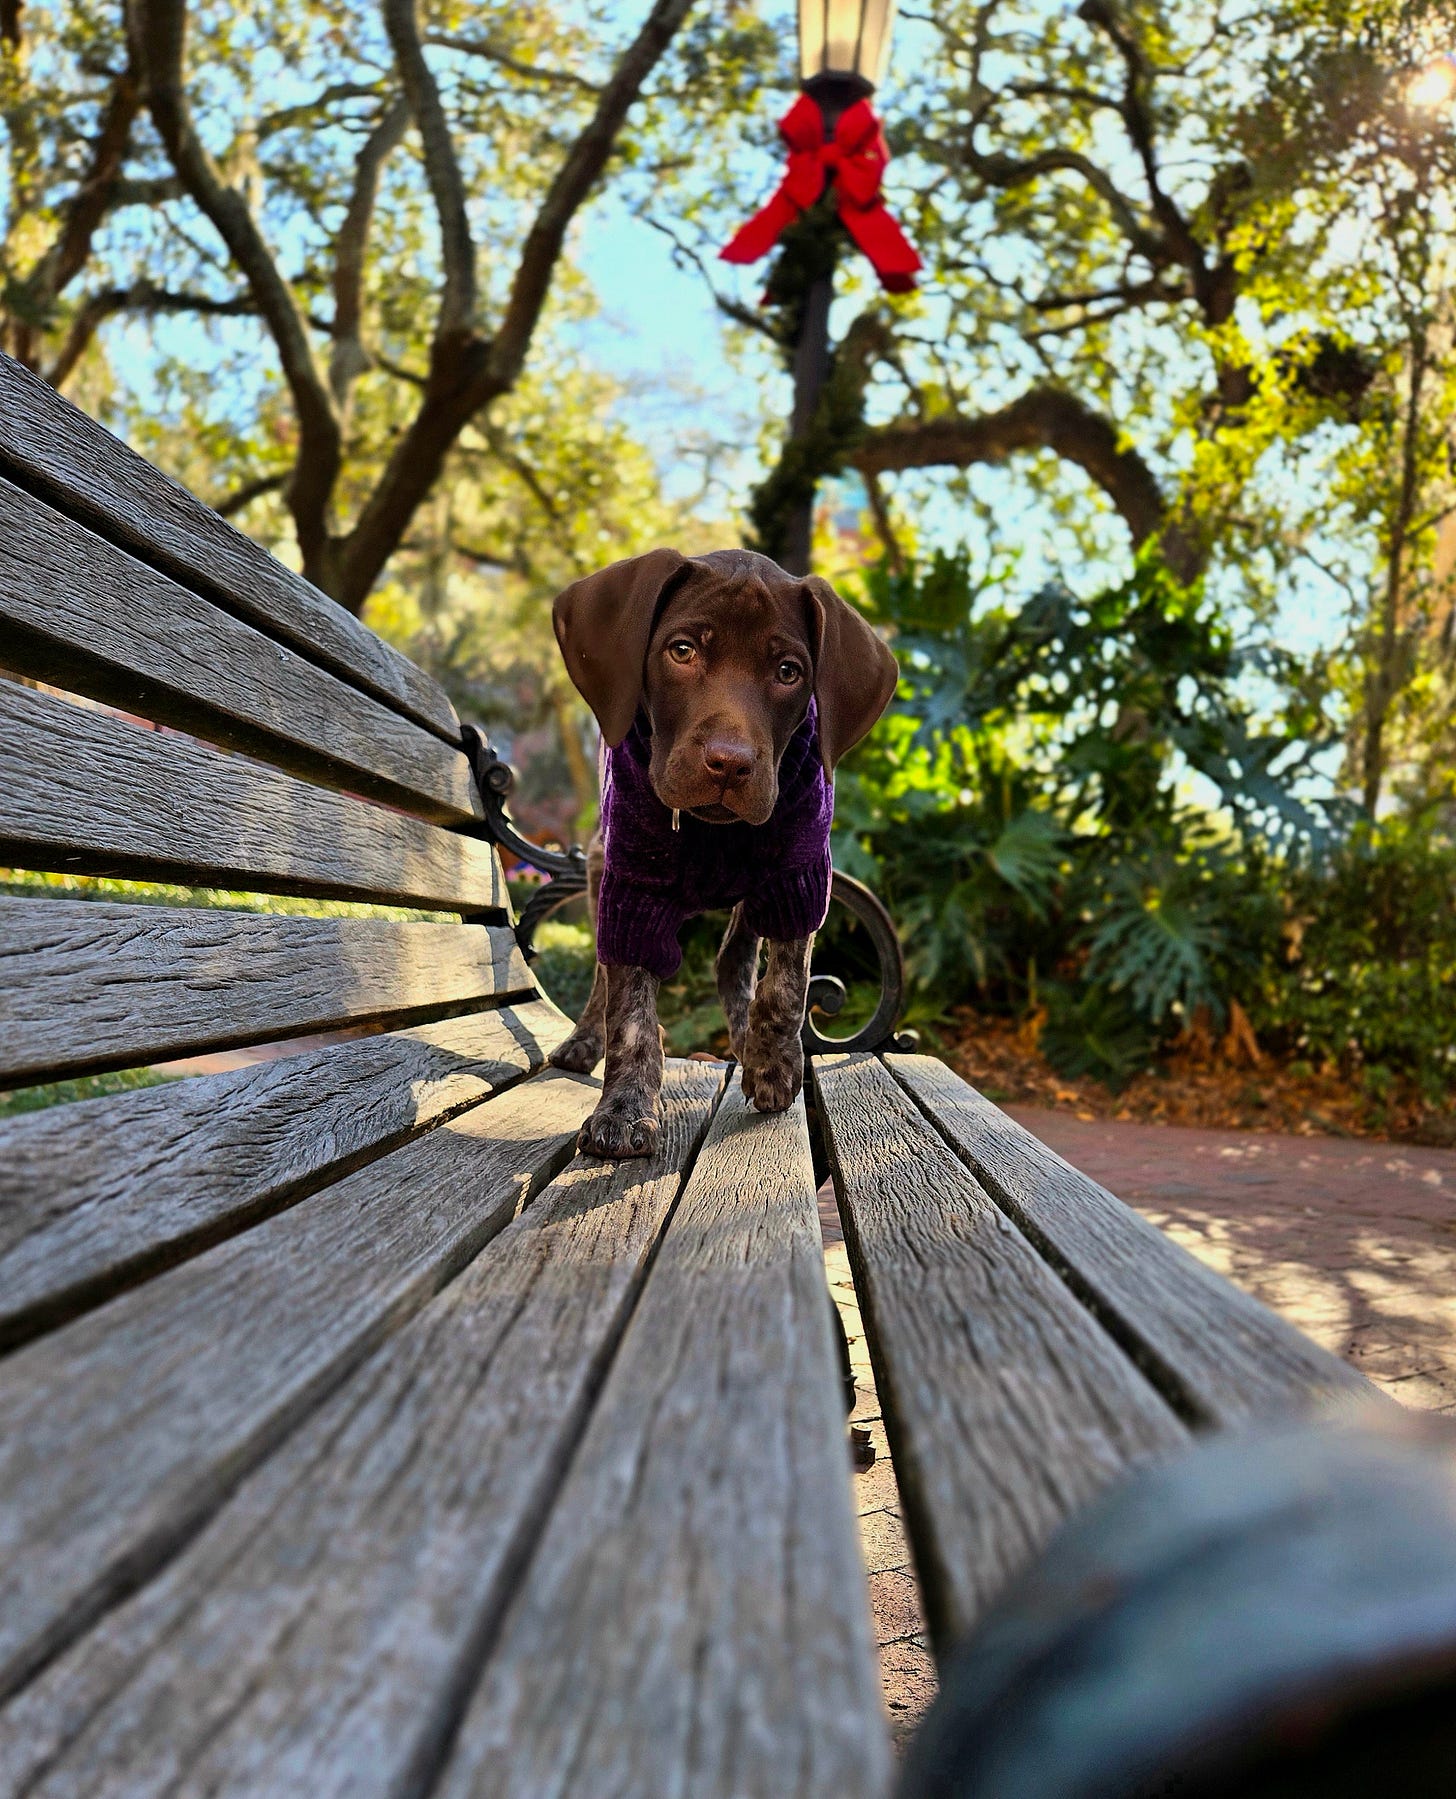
1024,808
1366,979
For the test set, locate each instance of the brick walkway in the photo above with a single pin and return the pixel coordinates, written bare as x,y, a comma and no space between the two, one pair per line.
1353,1241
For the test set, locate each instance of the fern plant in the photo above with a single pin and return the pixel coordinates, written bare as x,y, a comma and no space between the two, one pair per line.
1023,805
1163,938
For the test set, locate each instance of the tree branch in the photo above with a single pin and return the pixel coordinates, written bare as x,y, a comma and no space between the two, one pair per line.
1000,170
483,558
442,171
152,190
884,525
1057,90
525,474
141,297
1041,418
159,31
1138,120
528,71
349,360
480,370
574,181
1126,295
35,296
306,111
248,492
93,196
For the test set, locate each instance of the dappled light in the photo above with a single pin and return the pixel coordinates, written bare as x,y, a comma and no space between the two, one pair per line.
1353,1242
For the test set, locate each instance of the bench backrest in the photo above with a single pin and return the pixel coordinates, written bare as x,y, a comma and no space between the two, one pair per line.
206,718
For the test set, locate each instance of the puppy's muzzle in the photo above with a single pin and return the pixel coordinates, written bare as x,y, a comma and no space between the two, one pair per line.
727,762
721,776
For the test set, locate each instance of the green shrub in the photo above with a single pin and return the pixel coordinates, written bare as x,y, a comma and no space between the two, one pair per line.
86,1086
1367,975
564,963
1024,808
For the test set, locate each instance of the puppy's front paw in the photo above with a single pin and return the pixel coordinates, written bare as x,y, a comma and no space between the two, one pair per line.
616,1131
580,1053
773,1076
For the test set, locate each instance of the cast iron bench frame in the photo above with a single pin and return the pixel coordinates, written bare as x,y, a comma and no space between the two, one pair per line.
354,1438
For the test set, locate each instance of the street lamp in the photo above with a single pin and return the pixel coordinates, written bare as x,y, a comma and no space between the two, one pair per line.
844,42
833,137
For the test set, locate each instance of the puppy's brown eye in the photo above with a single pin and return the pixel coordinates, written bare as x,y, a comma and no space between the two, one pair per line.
789,673
681,650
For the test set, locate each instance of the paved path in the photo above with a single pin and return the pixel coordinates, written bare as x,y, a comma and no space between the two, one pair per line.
1353,1241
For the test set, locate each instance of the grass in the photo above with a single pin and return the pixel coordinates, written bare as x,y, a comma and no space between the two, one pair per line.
27,885
86,1086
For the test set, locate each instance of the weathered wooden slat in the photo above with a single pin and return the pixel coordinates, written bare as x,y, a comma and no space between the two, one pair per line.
184,812
97,1195
83,615
695,1618
47,445
1006,1404
317,1637
121,1432
85,984
1219,1355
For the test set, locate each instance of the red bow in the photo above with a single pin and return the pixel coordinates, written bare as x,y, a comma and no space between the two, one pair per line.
856,160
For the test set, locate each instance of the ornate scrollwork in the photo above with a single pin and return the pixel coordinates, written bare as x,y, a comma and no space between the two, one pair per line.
567,871
495,779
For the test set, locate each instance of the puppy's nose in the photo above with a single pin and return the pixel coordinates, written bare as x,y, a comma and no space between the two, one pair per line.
727,761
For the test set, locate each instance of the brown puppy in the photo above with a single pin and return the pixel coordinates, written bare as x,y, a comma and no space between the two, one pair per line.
703,672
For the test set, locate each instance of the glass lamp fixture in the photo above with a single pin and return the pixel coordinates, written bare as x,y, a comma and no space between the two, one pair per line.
844,44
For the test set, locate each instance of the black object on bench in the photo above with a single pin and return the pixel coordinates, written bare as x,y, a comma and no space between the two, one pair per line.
1271,1616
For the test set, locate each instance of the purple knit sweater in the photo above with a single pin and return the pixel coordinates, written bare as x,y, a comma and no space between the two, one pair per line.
655,878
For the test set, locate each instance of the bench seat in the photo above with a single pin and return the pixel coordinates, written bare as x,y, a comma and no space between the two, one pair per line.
356,1437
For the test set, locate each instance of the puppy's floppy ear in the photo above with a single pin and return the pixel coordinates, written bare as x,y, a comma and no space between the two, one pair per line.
603,623
854,673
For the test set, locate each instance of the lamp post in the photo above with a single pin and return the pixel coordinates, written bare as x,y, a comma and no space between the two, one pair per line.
843,48
834,140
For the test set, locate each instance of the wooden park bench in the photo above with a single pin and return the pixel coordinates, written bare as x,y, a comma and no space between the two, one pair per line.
356,1439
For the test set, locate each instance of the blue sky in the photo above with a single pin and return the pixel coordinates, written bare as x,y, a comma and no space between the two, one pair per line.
653,314
659,330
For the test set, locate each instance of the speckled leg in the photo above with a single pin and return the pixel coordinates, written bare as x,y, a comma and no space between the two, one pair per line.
773,1052
582,1050
737,970
625,1122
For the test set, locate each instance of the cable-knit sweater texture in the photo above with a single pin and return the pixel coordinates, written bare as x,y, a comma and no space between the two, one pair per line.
654,878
